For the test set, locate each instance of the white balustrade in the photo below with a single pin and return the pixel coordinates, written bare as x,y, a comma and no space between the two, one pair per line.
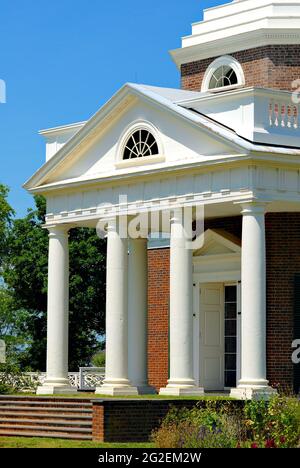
88,378
284,114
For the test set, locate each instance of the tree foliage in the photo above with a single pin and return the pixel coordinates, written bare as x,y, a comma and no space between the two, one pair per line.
25,273
12,329
6,213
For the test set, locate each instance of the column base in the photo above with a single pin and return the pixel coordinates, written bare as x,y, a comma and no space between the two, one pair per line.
172,390
55,390
253,392
115,390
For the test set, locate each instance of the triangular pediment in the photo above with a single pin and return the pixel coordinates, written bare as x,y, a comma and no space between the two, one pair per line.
91,153
218,242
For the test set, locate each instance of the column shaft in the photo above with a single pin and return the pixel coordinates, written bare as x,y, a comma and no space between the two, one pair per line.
253,294
116,371
137,314
181,379
58,313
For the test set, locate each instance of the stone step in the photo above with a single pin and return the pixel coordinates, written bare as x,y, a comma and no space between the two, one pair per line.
40,409
58,404
18,428
44,422
43,398
46,415
52,435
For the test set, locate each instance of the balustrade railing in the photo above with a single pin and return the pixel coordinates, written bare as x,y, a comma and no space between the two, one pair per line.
88,378
284,115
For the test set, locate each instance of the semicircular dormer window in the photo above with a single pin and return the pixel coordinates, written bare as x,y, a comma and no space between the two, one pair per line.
140,144
223,76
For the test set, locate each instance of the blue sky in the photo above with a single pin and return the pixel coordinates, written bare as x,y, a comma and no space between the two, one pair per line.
62,59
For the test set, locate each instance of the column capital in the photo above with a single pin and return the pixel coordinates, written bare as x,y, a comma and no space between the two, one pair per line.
181,214
176,214
115,224
58,230
249,207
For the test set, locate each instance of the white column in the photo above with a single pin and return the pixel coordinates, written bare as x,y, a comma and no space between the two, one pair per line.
138,314
253,291
58,314
116,370
181,381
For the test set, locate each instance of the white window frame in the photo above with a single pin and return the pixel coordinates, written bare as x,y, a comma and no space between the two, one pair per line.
130,130
225,60
237,284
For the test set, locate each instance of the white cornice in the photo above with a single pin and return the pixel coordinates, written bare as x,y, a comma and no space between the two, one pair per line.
236,93
62,128
259,155
231,44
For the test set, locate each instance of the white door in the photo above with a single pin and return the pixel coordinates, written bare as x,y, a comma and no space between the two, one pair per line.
212,336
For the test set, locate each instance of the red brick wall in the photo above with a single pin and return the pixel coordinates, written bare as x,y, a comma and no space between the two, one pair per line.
98,423
134,420
158,317
274,66
158,305
283,261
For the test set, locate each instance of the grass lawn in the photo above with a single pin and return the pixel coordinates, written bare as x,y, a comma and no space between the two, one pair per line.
35,442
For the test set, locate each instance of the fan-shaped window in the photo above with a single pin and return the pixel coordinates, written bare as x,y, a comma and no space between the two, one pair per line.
140,144
223,73
223,76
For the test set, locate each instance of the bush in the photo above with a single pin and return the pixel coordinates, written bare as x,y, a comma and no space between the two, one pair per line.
215,426
13,379
5,389
275,423
260,424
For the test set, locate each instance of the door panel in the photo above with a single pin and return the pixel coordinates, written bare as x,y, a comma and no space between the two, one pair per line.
212,328
212,336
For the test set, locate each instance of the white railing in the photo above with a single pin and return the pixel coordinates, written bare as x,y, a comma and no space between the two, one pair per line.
88,378
284,115
91,377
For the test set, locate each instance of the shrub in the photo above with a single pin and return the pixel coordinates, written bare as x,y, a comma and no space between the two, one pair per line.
260,424
275,423
5,389
215,426
13,379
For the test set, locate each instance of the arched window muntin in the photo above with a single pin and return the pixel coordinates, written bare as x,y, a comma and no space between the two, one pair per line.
223,74
140,144
222,77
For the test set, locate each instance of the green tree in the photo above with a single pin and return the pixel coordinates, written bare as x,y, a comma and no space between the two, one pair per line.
25,273
6,213
12,329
